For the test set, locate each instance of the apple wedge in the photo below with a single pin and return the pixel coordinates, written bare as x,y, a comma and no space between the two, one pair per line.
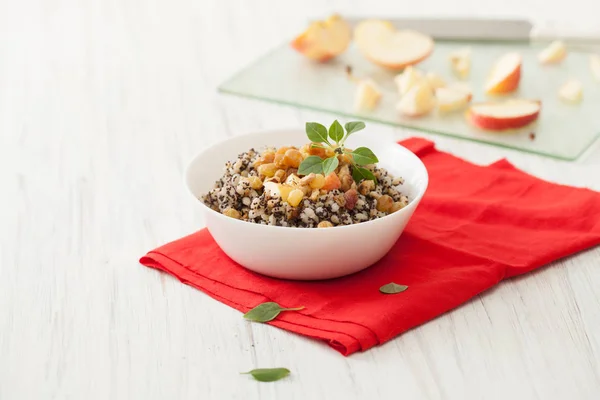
418,101
367,95
595,66
324,40
460,61
505,75
571,91
510,114
394,49
554,53
452,98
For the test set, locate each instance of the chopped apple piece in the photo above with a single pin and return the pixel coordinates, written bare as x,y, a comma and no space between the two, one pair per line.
418,101
367,95
407,79
452,98
324,40
510,114
332,182
464,87
505,75
595,66
460,61
554,53
395,49
571,91
435,80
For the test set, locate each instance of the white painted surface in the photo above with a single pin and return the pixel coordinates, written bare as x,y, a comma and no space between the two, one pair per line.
101,106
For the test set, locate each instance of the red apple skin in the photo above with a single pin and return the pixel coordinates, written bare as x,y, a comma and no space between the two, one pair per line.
508,85
499,124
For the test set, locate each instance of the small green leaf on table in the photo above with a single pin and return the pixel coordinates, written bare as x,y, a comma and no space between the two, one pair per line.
392,288
268,374
266,312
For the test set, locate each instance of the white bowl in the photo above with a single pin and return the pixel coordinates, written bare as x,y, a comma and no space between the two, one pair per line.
306,253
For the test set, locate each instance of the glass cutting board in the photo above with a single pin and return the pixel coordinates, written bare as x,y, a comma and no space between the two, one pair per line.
562,131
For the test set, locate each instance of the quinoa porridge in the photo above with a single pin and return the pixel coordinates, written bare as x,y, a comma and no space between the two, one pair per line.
266,188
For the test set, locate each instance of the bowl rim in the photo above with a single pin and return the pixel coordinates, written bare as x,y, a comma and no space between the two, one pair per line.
397,214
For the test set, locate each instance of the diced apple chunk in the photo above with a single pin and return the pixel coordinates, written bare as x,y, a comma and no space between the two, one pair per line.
554,53
419,100
435,80
367,95
571,91
407,79
332,181
452,98
460,61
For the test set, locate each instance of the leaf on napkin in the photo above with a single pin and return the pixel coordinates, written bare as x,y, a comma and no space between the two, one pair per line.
268,374
266,312
392,288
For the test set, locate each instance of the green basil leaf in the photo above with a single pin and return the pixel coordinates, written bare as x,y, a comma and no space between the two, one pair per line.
359,173
354,126
329,165
364,156
316,132
392,288
266,312
311,164
336,131
268,374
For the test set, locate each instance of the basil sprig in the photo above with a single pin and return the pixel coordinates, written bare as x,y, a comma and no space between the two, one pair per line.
320,137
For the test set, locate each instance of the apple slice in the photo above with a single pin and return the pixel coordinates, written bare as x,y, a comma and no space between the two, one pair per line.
554,53
595,66
505,75
510,114
407,79
324,40
452,98
367,95
571,91
418,101
395,49
460,61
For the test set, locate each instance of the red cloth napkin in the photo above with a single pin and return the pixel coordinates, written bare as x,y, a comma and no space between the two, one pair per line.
476,225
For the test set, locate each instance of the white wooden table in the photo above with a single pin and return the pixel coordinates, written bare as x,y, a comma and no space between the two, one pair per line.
101,106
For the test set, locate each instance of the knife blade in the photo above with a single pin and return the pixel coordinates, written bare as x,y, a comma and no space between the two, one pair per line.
470,29
464,28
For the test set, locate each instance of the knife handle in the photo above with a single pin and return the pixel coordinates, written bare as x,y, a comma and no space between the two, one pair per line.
569,33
